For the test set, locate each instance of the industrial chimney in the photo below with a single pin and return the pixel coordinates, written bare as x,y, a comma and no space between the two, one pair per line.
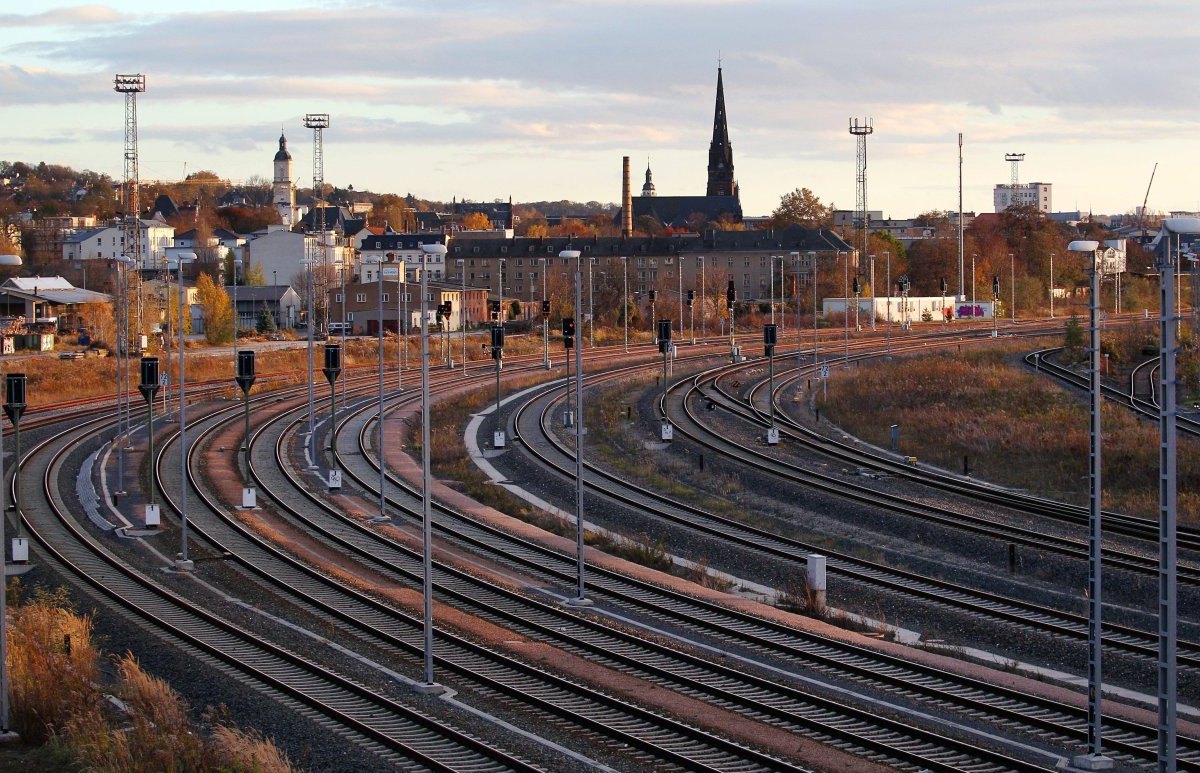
626,200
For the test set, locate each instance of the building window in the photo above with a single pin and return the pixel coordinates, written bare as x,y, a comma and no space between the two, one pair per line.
350,316
387,298
360,298
337,298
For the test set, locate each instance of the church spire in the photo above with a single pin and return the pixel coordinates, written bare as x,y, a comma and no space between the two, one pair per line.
720,150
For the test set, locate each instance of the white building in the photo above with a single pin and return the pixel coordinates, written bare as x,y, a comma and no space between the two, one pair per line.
283,191
278,252
911,309
108,242
1022,195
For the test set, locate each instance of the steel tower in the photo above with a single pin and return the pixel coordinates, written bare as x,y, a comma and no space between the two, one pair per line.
861,224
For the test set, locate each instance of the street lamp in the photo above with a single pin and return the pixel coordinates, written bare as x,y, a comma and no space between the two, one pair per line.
429,685
182,562
1094,759
581,598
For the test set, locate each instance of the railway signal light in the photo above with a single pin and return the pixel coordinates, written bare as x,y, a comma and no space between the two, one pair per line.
995,285
856,288
333,362
943,285
691,296
730,294
770,337
653,295
545,308
495,310
568,326
664,334
497,341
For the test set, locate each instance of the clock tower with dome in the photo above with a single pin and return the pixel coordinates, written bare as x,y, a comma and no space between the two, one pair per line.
283,193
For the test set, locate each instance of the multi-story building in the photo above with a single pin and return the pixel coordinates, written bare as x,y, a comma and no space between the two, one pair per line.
108,242
1035,195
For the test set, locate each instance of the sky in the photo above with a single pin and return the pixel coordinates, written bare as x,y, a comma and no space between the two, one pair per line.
540,99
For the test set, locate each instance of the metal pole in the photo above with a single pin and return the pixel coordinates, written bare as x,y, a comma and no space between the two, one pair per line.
581,598
812,256
312,318
771,274
846,307
426,486
782,296
873,293
591,308
1167,548
1012,284
379,420
703,317
679,297
5,733
888,256
183,564
345,354
404,329
545,319
625,298
1095,607
462,311
1052,285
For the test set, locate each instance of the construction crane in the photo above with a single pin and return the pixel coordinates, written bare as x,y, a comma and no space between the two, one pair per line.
1142,211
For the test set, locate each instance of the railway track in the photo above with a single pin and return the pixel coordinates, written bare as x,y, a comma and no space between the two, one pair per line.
357,533
398,734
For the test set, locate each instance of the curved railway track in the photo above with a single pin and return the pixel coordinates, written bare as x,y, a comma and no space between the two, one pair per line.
903,683
401,735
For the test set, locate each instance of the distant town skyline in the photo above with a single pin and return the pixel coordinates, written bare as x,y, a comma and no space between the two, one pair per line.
540,100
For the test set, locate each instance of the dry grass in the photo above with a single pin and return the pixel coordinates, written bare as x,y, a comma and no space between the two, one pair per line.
52,664
1016,428
54,668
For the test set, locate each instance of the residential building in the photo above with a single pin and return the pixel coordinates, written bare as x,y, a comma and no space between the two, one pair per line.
1037,195
108,242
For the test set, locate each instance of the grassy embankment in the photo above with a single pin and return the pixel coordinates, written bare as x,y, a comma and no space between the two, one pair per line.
1015,427
66,720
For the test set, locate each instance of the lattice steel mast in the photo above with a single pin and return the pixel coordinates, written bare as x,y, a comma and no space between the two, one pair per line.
861,224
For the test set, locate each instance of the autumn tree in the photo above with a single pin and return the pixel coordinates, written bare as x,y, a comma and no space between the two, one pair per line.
801,207
218,311
476,221
394,211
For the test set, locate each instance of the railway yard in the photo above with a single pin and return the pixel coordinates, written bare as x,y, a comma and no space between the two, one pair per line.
953,635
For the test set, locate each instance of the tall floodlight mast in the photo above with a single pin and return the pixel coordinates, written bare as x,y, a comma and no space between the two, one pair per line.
318,122
131,233
1015,159
861,226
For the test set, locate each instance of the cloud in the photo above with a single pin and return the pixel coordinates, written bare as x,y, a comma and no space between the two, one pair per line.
73,16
